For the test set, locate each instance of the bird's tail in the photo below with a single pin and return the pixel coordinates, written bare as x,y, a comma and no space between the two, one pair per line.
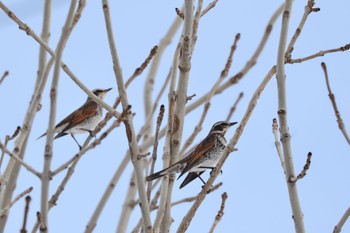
175,168
190,177
41,136
156,175
57,136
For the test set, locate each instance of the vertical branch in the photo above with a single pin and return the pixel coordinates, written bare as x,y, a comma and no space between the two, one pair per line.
128,122
167,143
26,211
127,206
148,89
9,178
45,35
181,99
45,179
155,148
282,116
220,212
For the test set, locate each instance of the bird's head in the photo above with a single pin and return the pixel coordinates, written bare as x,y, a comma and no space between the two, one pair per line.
221,127
101,92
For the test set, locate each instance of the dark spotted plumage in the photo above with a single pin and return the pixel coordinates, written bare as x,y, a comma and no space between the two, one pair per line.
204,156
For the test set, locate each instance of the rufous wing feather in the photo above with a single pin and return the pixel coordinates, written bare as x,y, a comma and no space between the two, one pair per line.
197,155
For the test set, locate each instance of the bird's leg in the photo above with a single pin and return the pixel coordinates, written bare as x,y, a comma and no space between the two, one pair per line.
204,184
76,141
202,180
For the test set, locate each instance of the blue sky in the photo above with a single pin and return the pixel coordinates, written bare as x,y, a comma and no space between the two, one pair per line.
252,177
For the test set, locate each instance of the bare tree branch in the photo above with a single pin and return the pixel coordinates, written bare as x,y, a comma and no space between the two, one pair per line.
344,218
155,148
319,54
209,7
26,211
7,139
5,210
233,108
308,9
128,122
282,115
220,212
19,160
334,104
187,44
305,169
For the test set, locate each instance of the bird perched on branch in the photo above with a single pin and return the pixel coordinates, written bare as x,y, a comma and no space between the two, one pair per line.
82,120
205,156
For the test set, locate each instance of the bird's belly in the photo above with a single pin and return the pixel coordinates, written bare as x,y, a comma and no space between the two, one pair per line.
86,126
210,161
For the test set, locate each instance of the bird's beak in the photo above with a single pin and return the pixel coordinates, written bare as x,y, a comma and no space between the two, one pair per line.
232,123
107,90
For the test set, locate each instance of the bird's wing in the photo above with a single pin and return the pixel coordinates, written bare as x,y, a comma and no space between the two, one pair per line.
196,156
77,117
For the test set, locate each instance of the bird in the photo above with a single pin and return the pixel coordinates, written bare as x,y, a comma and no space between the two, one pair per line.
83,119
204,156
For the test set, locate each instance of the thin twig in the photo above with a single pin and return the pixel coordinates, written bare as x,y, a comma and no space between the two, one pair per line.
78,12
220,212
155,148
344,218
5,210
305,169
277,143
308,9
6,73
7,139
233,108
26,211
334,104
19,160
319,54
179,13
143,66
128,122
209,7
